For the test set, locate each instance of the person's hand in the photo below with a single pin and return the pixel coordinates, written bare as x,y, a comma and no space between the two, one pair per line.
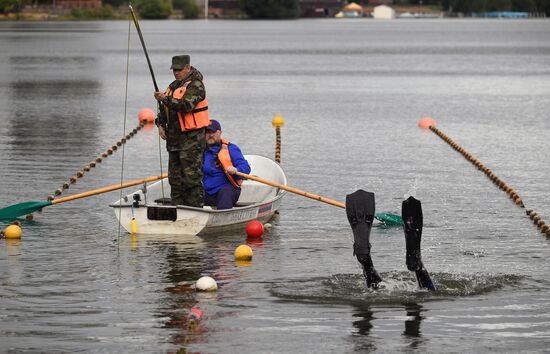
159,96
231,170
162,133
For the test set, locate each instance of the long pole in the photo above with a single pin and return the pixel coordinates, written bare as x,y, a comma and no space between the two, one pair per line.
108,189
292,190
136,23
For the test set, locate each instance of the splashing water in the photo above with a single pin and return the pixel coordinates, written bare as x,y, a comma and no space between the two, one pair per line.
412,190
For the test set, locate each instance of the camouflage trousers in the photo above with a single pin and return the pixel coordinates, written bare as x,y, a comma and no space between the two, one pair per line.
185,170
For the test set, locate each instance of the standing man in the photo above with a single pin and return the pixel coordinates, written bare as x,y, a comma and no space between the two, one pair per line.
182,121
221,160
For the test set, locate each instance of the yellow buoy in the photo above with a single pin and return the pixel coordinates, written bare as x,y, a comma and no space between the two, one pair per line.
243,253
12,232
277,121
133,226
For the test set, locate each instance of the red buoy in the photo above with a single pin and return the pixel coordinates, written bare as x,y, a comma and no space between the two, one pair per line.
426,123
254,229
146,116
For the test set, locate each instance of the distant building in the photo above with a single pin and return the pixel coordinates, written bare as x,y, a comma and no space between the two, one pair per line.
77,4
383,12
352,10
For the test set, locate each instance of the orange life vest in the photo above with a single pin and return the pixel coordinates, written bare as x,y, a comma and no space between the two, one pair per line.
225,160
197,118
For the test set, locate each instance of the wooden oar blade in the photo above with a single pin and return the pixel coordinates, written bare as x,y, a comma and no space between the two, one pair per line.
389,219
21,209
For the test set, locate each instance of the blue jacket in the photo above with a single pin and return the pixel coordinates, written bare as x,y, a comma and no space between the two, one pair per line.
214,176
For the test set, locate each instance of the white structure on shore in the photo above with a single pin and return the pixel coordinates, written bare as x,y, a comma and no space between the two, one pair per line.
383,12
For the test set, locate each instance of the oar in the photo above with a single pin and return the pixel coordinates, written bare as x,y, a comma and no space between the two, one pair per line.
388,219
25,208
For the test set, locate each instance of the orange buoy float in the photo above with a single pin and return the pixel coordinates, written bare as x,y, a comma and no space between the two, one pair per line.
426,123
146,116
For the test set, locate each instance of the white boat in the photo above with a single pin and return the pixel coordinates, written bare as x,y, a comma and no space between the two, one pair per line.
153,216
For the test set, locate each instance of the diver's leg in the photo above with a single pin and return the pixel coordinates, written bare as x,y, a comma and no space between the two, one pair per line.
360,211
413,222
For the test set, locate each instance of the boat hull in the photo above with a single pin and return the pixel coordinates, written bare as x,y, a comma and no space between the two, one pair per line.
257,202
195,221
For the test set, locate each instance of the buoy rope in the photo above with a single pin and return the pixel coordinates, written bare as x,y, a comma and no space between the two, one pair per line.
97,160
512,194
278,145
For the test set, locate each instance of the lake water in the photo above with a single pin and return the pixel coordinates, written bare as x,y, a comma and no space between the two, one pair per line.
351,93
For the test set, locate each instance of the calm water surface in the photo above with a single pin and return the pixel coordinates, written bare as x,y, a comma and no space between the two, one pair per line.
351,93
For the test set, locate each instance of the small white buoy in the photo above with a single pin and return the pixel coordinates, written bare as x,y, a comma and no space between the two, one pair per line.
267,226
206,284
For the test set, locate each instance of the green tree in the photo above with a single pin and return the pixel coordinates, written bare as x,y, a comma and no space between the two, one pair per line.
102,13
495,5
189,8
277,9
7,6
154,9
115,3
523,5
543,6
469,6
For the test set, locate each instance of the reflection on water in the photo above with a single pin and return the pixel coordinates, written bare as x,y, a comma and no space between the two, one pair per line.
184,260
47,26
49,108
412,325
42,63
365,316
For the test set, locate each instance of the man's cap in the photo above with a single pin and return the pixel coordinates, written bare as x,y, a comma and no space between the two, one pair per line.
214,126
179,61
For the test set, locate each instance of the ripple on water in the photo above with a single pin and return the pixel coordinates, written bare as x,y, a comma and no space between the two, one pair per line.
397,287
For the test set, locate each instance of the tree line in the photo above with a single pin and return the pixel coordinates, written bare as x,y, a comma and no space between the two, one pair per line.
159,9
468,7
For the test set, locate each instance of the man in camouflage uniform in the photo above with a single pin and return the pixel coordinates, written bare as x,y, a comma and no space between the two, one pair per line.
185,148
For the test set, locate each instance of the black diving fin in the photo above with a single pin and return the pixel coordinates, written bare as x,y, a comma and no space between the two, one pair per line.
412,225
360,211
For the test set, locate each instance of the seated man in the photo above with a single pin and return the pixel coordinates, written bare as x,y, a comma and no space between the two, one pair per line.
222,159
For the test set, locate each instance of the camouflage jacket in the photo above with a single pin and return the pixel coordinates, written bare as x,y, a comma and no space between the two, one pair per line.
194,93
